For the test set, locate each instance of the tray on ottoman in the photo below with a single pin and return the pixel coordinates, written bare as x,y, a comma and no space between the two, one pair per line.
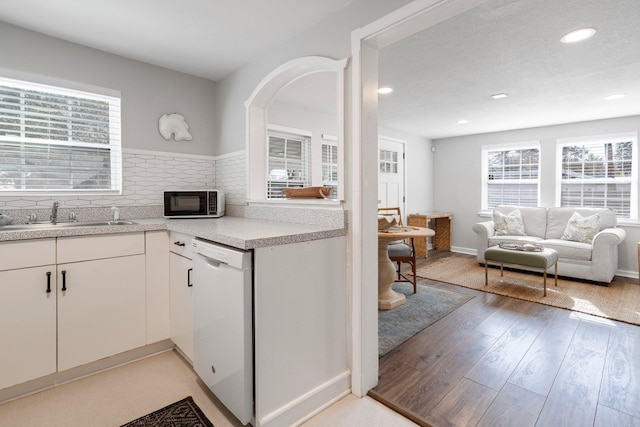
543,259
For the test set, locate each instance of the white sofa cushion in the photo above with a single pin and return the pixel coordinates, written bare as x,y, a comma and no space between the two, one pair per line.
568,249
534,218
559,217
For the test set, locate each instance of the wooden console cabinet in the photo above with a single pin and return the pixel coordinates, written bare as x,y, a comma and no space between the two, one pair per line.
438,222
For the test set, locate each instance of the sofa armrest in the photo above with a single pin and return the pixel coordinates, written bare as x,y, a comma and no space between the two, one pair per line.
609,237
484,230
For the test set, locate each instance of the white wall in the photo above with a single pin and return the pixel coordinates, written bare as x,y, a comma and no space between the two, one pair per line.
457,174
147,91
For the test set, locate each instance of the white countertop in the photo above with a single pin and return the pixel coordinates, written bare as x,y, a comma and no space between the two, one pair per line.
242,233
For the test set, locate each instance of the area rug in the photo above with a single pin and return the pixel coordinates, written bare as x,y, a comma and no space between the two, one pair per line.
425,307
184,413
618,301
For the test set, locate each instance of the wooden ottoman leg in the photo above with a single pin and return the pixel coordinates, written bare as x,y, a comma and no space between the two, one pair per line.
556,274
486,273
544,281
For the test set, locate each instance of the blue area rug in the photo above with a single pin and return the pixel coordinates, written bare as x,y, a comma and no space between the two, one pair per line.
422,309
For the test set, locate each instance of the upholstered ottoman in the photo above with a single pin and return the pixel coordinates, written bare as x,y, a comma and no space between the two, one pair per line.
536,259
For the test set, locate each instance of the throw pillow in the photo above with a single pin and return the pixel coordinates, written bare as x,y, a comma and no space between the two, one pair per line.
580,229
508,225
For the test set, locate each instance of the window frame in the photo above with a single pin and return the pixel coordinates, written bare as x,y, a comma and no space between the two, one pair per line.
48,86
484,170
332,141
600,139
289,133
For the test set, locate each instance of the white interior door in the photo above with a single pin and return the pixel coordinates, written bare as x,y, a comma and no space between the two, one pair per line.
391,174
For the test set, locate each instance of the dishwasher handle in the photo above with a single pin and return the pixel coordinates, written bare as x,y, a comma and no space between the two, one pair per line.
189,283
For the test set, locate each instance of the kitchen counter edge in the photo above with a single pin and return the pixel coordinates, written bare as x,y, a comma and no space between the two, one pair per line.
241,233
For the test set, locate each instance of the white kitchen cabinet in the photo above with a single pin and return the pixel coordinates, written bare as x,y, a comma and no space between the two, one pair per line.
27,311
101,302
181,268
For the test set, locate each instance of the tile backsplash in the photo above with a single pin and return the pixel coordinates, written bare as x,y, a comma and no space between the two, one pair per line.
146,174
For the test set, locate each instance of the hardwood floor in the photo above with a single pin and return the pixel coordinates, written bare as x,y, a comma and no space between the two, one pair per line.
499,361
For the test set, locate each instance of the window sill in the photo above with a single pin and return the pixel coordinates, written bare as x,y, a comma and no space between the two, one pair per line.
302,203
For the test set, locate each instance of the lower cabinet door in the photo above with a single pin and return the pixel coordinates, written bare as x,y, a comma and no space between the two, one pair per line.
182,303
101,309
27,324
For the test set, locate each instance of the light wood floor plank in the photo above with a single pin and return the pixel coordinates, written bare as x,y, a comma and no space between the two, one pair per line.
621,379
421,393
514,406
495,367
539,366
463,406
557,381
573,398
607,417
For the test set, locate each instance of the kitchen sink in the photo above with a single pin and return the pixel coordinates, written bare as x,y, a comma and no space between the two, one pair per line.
50,225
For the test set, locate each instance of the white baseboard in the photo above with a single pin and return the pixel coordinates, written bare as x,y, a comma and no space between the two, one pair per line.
305,406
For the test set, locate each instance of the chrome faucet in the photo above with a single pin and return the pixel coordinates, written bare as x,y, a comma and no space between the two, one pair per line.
54,211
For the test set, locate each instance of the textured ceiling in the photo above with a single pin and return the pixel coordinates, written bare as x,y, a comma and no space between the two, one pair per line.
448,72
441,75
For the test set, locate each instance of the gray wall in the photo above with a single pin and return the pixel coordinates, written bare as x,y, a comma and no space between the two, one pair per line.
331,37
147,91
457,172
419,170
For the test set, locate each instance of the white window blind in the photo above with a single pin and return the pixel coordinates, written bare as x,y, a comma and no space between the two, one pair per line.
289,163
58,140
510,176
330,164
599,173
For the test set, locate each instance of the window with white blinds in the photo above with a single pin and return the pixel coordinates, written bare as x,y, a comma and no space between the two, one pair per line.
330,164
58,140
289,163
600,172
510,175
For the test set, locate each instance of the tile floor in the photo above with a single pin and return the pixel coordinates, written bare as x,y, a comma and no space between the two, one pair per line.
116,396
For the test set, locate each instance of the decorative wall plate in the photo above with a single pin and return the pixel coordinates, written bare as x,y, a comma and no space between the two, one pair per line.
174,125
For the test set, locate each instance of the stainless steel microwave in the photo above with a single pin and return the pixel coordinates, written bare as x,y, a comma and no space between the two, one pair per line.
193,203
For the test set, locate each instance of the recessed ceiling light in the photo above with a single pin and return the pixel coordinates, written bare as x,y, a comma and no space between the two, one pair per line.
499,96
462,122
615,96
578,35
385,90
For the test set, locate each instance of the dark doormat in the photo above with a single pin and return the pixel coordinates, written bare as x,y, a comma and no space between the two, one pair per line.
184,413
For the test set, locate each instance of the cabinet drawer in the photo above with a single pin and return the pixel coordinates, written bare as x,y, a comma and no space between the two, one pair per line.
27,253
180,244
84,248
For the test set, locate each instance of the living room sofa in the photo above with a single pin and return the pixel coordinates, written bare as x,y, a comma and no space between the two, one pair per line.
586,239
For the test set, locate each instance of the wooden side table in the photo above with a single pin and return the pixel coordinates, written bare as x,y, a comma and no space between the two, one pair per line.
441,225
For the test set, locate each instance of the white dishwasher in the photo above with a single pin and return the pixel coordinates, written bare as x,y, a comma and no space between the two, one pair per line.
223,338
